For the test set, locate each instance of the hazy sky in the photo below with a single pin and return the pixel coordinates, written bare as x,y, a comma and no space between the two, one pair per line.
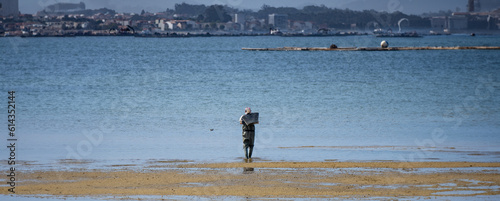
406,6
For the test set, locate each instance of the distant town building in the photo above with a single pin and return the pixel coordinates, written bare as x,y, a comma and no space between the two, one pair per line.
457,22
278,21
166,25
240,21
65,7
9,8
300,25
439,23
239,18
123,22
471,5
480,15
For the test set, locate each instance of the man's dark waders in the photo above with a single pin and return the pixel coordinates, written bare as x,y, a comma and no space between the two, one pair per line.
248,139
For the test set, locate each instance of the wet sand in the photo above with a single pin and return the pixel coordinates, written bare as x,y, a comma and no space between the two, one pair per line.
270,180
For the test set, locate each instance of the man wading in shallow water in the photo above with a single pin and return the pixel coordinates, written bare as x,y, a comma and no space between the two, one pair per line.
248,133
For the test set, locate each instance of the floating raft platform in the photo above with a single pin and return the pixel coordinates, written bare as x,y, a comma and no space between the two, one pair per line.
372,48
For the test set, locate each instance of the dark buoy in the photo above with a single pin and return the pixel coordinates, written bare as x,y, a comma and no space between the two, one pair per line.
333,46
472,34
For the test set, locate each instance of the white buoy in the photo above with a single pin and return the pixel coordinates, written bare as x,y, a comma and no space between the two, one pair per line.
384,44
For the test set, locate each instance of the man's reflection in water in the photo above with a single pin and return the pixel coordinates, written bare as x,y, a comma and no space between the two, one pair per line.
248,170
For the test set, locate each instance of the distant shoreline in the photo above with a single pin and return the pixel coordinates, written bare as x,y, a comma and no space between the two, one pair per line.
188,35
207,34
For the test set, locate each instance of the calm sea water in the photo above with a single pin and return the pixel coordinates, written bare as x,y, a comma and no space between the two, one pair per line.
126,99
